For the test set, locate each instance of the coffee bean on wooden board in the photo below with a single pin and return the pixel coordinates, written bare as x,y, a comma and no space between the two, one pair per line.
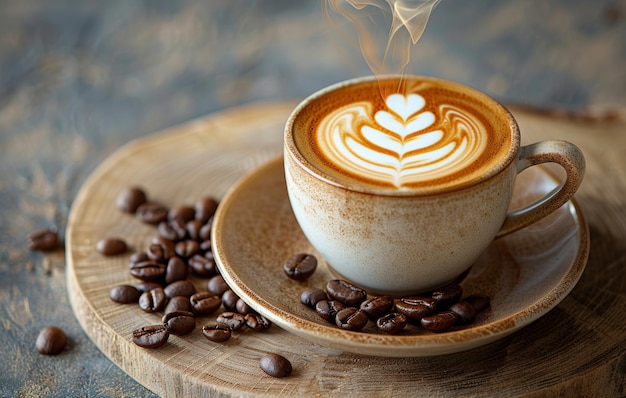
183,288
216,332
51,340
217,285
300,267
129,199
257,322
205,303
229,300
151,213
234,320
205,209
183,213
148,270
45,239
276,365
111,246
179,322
151,336
177,303
202,266
176,270
124,294
152,301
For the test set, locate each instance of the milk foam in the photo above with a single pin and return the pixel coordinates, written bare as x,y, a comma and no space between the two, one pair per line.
403,144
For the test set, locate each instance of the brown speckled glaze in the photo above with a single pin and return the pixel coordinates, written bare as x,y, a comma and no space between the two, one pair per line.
520,272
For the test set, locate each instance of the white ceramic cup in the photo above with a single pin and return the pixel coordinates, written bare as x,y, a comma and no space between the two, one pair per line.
405,243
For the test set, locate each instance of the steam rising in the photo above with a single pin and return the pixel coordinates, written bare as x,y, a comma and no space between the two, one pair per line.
383,31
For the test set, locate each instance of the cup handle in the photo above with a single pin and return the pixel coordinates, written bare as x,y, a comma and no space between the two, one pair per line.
565,154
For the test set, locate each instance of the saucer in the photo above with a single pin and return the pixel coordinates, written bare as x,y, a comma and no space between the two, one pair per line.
525,274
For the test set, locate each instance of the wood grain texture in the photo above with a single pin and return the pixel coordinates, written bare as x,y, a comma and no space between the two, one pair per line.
576,348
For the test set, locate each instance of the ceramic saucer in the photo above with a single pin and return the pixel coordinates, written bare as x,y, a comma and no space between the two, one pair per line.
525,274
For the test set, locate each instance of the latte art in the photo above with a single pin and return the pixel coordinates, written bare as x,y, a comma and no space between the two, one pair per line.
402,145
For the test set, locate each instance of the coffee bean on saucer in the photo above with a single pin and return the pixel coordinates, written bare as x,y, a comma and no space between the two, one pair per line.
229,300
205,209
351,318
45,239
300,267
234,320
312,296
257,322
177,303
328,309
151,336
413,308
180,288
183,213
152,301
51,341
276,365
440,321
465,311
111,246
151,213
129,199
148,270
447,295
124,294
217,285
179,322
377,306
345,292
204,303
480,302
392,323
176,270
216,332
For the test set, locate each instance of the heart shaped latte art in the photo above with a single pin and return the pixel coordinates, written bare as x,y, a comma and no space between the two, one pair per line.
403,145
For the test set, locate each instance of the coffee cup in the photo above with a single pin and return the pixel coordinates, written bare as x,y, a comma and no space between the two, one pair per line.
400,183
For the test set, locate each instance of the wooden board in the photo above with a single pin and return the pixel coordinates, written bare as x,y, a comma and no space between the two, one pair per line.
578,347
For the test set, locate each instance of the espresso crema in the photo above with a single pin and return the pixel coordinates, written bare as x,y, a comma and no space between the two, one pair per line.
403,136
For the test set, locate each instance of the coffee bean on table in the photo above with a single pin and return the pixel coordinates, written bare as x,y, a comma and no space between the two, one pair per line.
172,230
216,332
183,213
447,295
205,246
351,318
51,341
139,257
151,336
257,322
148,270
45,239
276,365
180,288
111,246
439,322
217,285
179,322
205,209
202,266
204,303
229,300
177,303
151,213
392,323
129,199
146,286
193,229
328,309
243,308
345,292
234,320
312,296
152,301
300,267
480,302
160,252
204,233
176,270
187,248
124,294
465,311
376,307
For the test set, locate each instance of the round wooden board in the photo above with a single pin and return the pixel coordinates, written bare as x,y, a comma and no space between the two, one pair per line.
205,157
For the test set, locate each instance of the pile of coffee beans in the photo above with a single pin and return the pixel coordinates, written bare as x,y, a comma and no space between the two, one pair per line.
349,308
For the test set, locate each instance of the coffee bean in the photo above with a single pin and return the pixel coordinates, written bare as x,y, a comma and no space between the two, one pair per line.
447,295
204,234
183,213
205,209
439,322
152,301
172,230
377,306
148,270
345,292
276,365
392,323
138,257
177,303
217,285
193,229
51,341
129,199
202,266
176,270
351,318
146,286
312,296
328,309
413,309
180,288
160,252
151,336
179,322
205,246
229,300
187,248
204,303
124,294
300,267
234,320
257,322
430,303
151,213
111,246
465,311
480,302
45,239
243,308
216,332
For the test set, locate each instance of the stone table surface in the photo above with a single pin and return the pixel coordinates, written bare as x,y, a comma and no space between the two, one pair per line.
78,79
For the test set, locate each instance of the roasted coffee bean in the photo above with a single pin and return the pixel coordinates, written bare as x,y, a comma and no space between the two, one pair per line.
447,295
312,296
160,252
345,292
51,341
177,303
179,322
216,332
146,286
183,213
465,311
124,294
328,309
439,322
480,302
139,257
202,266
111,246
204,234
205,246
257,322
172,230
129,199
152,301
151,336
351,318
413,309
300,267
234,320
205,209
151,213
377,306
217,285
187,248
276,365
229,300
430,303
148,270
243,308
45,239
176,270
193,229
180,288
392,323
204,303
